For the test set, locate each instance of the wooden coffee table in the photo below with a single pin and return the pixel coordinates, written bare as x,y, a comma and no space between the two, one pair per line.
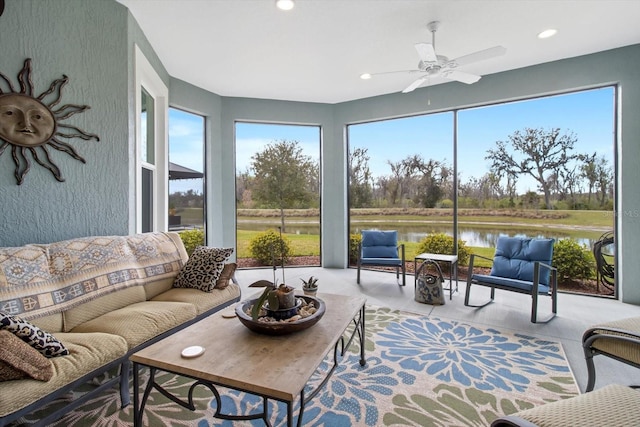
273,367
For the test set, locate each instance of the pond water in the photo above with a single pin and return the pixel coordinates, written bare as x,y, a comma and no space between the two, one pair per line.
473,236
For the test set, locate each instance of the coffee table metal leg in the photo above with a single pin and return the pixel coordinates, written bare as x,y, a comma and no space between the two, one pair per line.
361,331
138,406
136,400
300,413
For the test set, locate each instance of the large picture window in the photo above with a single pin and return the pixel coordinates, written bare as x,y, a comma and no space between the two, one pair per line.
277,193
186,171
542,167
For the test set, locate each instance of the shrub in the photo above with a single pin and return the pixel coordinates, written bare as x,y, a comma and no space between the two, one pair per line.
441,243
573,261
268,245
446,204
192,239
354,245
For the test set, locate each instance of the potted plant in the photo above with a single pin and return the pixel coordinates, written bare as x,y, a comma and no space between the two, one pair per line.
310,287
281,300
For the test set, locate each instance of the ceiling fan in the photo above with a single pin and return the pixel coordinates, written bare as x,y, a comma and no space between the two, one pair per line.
433,65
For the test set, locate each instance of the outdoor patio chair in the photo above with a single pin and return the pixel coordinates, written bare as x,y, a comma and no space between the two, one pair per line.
613,405
520,265
381,249
619,340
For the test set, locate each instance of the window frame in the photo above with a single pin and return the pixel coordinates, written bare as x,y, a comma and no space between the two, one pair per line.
146,77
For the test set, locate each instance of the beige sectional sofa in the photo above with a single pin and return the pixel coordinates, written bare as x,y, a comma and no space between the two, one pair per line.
103,298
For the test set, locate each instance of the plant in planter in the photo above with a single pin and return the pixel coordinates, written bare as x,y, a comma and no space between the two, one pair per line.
310,287
280,299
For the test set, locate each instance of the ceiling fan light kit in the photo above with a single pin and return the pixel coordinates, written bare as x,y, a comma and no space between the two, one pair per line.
431,64
285,4
547,33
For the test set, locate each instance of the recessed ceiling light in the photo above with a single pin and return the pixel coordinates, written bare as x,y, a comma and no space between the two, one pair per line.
285,4
365,76
547,33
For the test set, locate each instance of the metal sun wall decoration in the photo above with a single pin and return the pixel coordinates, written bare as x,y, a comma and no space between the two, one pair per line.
31,125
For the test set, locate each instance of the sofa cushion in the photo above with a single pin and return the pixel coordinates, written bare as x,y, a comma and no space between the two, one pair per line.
203,268
379,244
202,301
66,274
515,258
87,352
92,309
226,275
19,360
140,322
52,323
41,340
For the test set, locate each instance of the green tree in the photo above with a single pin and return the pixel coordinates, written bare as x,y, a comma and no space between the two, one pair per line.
284,177
534,152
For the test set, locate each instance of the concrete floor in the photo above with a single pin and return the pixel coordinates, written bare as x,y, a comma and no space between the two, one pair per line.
509,312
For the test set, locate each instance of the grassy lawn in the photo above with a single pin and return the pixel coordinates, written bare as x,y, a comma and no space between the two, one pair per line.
301,244
565,218
309,245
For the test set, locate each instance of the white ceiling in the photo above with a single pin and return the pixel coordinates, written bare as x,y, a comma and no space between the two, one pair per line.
317,51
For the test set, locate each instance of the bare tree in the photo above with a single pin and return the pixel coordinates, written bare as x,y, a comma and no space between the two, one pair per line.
605,178
534,152
360,191
589,173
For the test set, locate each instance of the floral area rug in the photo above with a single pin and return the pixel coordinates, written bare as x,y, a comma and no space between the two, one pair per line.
420,371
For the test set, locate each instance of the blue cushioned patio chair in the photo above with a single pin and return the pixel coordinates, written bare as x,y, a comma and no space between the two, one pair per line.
381,249
519,265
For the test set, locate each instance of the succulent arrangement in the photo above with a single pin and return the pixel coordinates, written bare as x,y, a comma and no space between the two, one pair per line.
310,285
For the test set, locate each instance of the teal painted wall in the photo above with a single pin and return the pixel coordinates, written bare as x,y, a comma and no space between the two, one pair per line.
86,40
90,41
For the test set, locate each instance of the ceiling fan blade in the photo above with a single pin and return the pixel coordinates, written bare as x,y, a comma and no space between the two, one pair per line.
396,72
460,76
414,85
426,52
481,55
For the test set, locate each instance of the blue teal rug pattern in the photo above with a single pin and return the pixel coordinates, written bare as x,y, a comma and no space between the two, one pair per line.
420,371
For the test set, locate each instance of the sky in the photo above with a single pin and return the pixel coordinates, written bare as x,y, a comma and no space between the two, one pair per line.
587,114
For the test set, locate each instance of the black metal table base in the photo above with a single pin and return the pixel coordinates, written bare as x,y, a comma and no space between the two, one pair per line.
338,351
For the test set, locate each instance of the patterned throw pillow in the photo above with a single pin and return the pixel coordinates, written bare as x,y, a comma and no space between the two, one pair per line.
203,268
19,360
44,342
226,275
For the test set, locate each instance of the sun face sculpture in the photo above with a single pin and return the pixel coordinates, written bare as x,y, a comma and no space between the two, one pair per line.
32,125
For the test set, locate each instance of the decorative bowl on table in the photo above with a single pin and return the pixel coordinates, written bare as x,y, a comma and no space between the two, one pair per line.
294,323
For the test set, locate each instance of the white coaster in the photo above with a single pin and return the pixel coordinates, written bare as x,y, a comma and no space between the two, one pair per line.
193,351
229,312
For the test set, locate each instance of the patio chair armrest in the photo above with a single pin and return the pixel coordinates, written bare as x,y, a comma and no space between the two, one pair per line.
553,280
400,248
547,266
609,333
472,258
512,421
